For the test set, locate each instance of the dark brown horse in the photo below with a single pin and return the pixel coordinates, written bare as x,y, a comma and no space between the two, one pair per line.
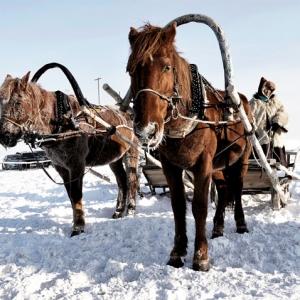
79,140
161,85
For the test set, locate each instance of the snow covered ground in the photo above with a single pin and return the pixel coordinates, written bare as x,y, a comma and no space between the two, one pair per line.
126,258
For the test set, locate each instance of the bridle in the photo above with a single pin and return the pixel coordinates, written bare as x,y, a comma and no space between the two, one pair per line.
24,127
172,101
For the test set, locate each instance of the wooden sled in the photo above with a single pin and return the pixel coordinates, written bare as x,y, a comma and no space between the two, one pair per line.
257,181
155,178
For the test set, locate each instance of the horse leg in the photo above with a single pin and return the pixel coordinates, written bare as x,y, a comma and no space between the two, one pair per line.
202,178
120,174
174,178
74,190
131,164
218,221
235,184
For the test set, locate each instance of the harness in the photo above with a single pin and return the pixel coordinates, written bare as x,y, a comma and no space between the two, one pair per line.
64,114
198,93
199,105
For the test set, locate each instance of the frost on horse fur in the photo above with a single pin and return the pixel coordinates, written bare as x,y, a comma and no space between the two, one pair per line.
26,107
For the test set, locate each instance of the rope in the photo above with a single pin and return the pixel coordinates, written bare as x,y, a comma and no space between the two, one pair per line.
207,122
109,133
233,142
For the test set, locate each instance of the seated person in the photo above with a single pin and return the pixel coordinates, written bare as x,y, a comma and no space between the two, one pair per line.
270,121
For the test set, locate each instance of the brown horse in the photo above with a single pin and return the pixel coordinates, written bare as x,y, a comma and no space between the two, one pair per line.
79,140
161,86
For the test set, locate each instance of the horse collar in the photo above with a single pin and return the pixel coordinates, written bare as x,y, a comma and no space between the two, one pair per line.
64,114
198,105
198,93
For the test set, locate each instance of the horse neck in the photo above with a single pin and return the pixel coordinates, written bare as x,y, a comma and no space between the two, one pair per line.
184,81
44,112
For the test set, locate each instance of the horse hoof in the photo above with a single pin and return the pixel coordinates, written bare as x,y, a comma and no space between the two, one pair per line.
175,262
202,265
282,204
216,234
242,229
117,215
77,232
130,212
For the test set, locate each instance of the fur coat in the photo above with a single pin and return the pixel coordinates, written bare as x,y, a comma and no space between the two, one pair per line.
264,115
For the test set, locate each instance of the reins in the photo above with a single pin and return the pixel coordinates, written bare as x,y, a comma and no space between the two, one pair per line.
232,143
50,177
39,140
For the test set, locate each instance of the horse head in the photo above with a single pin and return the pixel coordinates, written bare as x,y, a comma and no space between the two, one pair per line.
15,109
155,69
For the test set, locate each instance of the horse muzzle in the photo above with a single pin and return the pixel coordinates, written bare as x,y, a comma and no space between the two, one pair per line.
149,135
8,140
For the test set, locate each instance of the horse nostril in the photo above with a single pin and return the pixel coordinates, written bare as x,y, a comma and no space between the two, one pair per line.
137,131
147,133
6,139
154,131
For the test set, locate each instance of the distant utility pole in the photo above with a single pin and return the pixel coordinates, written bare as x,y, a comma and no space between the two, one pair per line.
99,79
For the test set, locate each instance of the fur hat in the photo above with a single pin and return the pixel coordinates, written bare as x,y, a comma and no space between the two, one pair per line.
265,83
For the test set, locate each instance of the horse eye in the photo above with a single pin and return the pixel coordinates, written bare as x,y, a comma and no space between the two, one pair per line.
167,68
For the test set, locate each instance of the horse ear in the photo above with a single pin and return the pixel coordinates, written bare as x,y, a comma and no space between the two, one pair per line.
8,77
170,33
25,80
132,35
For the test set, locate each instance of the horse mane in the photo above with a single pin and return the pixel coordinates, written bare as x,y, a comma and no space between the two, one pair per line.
148,41
32,89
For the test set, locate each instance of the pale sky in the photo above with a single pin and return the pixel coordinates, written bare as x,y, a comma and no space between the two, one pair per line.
90,38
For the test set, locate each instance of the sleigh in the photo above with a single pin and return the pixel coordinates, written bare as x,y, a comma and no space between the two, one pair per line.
257,181
155,178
